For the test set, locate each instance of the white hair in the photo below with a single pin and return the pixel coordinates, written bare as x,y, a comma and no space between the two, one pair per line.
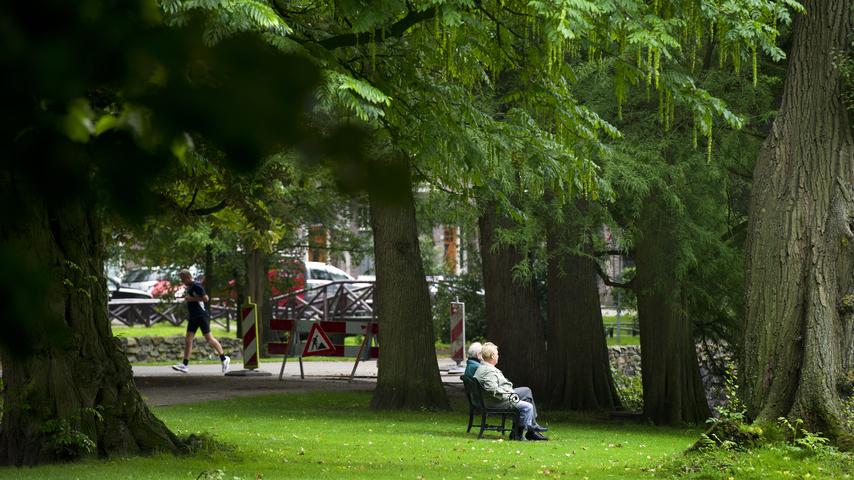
489,351
474,350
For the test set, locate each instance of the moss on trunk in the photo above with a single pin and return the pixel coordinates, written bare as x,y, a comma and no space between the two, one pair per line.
73,395
800,250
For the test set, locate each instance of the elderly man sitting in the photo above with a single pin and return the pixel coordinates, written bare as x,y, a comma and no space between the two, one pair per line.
502,394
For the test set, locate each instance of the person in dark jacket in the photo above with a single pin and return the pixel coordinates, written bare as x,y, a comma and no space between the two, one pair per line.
195,297
473,359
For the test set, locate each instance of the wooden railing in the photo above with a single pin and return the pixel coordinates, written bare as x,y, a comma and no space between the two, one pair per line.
339,300
629,328
133,311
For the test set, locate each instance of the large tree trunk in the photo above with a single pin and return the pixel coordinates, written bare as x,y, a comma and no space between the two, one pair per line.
579,370
799,263
258,289
513,320
672,388
408,370
76,384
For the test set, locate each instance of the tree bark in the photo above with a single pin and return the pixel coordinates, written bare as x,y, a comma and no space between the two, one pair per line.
258,288
672,388
408,375
76,382
799,262
513,318
579,369
209,274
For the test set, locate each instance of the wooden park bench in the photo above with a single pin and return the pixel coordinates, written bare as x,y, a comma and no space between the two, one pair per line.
474,394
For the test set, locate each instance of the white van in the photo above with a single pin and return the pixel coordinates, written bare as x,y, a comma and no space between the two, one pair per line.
318,274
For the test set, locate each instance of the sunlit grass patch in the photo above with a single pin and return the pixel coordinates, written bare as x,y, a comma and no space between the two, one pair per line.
337,435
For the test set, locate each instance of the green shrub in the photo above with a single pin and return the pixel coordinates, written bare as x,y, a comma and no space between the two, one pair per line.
66,440
801,438
630,388
729,430
848,402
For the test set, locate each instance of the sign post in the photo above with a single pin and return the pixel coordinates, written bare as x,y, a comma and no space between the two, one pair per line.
458,336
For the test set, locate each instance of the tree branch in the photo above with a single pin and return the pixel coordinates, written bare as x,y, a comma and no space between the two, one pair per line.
436,185
607,280
192,200
514,12
209,210
498,23
397,29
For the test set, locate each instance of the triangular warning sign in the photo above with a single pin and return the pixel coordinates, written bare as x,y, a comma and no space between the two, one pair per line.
317,343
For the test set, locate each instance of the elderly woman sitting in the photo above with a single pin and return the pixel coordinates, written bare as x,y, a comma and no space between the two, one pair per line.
473,359
500,393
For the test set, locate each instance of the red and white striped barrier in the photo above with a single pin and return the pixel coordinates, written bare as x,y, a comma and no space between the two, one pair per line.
249,327
458,332
329,327
319,330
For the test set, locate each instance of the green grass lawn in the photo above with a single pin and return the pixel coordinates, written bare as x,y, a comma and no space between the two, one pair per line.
626,338
165,330
336,435
775,461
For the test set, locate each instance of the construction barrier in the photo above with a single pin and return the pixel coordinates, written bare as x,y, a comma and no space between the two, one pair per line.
458,335
310,338
249,327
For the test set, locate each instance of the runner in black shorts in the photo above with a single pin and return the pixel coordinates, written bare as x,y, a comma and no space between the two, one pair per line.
195,296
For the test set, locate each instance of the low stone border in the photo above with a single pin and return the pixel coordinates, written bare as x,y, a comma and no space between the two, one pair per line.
152,349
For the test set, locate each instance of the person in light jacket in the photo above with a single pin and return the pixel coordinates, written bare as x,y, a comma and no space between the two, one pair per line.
501,394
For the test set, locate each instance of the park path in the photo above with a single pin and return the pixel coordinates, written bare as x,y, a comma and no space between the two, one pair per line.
160,385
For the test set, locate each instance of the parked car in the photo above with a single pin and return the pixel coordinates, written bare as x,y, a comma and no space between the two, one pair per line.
159,281
293,275
322,273
145,279
115,290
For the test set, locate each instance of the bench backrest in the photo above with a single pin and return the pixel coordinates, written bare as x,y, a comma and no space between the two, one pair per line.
474,392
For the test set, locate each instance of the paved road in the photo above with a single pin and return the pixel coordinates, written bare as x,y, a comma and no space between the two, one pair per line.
160,385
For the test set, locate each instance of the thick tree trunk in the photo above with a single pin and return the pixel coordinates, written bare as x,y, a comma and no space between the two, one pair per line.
258,288
408,370
672,388
800,249
579,370
513,320
77,385
210,279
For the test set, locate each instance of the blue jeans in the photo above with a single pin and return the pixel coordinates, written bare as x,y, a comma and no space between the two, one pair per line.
526,414
526,395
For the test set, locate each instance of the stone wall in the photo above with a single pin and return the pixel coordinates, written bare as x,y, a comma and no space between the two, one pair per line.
714,360
153,349
625,359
